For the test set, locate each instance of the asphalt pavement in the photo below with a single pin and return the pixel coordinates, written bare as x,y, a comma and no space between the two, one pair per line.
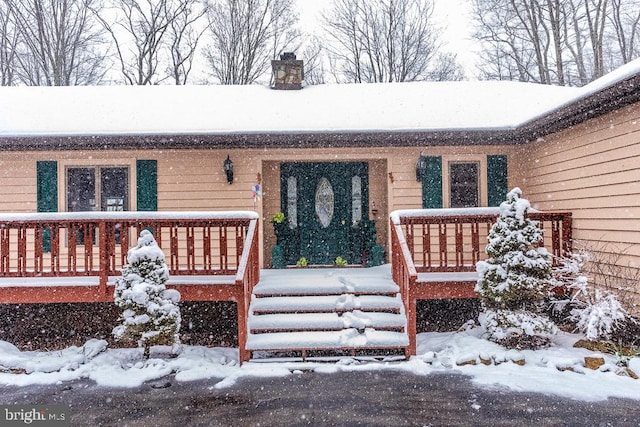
383,398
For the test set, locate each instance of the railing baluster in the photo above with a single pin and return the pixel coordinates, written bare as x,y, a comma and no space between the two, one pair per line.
459,245
5,254
442,231
191,257
475,242
175,253
37,250
223,247
206,247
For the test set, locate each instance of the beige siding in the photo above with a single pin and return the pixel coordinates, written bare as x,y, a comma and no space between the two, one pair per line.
194,179
592,170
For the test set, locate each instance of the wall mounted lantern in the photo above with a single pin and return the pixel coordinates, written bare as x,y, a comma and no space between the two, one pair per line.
421,168
227,166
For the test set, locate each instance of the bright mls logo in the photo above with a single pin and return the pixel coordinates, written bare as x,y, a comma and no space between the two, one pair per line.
36,415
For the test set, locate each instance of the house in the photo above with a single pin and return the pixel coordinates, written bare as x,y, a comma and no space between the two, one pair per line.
330,157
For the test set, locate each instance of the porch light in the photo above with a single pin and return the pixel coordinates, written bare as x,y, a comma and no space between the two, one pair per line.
421,167
227,166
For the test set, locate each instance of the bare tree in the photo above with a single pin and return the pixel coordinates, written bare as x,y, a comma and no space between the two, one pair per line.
245,35
446,68
184,34
626,23
313,56
8,43
387,41
565,42
52,42
516,40
140,33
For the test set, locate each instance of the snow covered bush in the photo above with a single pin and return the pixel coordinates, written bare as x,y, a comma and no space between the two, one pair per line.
597,312
151,315
515,281
600,316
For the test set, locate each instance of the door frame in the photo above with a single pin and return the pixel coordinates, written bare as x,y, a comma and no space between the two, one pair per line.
292,243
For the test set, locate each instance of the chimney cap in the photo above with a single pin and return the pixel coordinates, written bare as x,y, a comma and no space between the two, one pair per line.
287,56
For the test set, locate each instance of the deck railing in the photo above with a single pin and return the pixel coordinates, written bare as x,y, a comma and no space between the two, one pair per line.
76,257
453,241
90,249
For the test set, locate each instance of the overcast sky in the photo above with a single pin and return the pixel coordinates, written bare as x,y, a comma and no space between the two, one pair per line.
452,15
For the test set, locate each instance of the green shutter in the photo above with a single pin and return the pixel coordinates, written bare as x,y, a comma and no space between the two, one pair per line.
432,184
147,185
47,181
47,194
497,180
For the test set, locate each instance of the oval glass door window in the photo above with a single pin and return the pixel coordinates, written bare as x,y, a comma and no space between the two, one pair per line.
324,202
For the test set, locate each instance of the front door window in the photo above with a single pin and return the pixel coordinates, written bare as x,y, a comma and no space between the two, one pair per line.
356,199
324,202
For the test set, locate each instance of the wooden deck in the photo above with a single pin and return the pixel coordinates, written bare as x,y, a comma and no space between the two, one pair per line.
76,257
214,256
434,252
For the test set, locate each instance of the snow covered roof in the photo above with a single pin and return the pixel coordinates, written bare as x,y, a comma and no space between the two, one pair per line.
418,107
83,110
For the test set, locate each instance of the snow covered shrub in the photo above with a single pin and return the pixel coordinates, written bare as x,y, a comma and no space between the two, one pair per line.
599,316
597,312
515,281
151,315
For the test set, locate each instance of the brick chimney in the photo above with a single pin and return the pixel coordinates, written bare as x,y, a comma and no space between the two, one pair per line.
288,72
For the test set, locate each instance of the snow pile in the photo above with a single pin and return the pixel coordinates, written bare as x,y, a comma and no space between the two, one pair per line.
151,315
557,370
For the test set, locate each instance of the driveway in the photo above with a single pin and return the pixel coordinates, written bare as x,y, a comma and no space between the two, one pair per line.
384,398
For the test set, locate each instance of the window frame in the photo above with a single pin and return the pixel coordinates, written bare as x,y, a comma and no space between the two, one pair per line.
97,170
480,160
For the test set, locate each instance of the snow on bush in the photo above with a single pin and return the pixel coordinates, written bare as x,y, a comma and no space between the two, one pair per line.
597,313
514,282
151,315
599,318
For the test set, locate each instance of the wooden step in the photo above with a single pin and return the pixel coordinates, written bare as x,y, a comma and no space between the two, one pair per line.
326,304
330,282
326,322
314,289
323,340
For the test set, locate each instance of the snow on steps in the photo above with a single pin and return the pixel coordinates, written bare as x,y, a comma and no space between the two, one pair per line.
324,303
345,339
327,321
327,310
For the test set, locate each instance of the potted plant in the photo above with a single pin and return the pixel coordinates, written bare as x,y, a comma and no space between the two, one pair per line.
340,262
279,226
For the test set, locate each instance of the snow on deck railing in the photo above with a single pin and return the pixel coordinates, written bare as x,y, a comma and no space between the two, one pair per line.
126,215
412,213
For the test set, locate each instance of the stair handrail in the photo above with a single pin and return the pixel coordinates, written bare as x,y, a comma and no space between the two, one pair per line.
247,278
404,274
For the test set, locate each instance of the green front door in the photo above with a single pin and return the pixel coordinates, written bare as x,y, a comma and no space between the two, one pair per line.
325,204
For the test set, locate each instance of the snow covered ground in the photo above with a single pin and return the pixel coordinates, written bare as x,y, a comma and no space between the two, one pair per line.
545,371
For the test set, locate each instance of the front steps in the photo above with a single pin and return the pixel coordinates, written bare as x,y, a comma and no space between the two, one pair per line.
335,313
